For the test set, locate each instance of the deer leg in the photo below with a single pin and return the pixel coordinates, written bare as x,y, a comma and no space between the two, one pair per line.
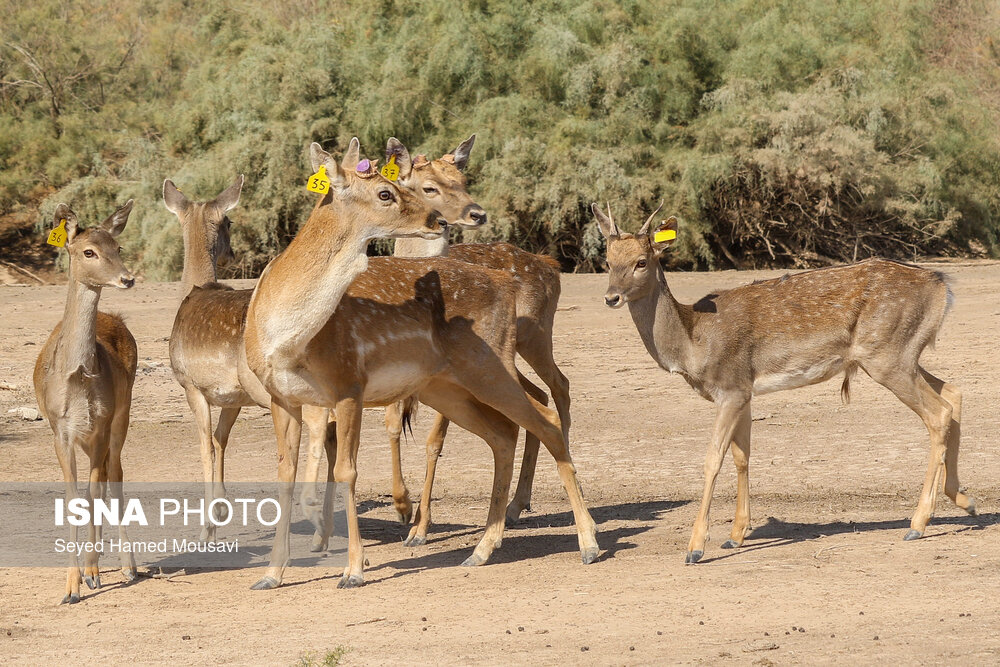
288,430
529,459
315,419
203,421
66,454
741,457
98,474
116,476
912,389
321,538
227,417
456,404
422,520
951,393
726,422
400,494
345,471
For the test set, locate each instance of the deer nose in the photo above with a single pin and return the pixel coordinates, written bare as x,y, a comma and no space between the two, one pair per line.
613,300
128,282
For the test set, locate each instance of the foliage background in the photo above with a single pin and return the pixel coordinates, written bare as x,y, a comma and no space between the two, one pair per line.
782,133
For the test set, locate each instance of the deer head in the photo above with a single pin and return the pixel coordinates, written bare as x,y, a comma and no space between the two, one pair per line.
633,260
206,225
440,182
359,192
94,258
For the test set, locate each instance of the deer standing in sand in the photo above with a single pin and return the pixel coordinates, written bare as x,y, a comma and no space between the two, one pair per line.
321,330
442,184
83,379
785,333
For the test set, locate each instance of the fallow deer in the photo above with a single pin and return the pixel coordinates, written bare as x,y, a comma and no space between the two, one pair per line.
785,333
314,337
83,378
441,182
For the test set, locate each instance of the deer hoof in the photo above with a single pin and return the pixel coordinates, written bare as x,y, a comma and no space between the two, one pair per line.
971,509
404,517
266,584
318,544
589,555
71,598
353,581
92,582
730,544
912,535
415,541
473,561
693,557
130,574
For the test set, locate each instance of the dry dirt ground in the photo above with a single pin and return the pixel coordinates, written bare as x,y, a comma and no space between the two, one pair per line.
823,578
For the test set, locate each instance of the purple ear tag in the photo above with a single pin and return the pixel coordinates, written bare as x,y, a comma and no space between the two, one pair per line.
364,166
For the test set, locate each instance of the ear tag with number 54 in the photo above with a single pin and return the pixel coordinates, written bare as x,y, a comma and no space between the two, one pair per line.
57,236
319,182
665,235
390,170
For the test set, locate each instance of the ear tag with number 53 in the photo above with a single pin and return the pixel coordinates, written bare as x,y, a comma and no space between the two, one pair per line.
665,235
319,182
390,170
57,236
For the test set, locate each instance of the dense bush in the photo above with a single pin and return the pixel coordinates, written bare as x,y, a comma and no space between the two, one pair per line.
783,133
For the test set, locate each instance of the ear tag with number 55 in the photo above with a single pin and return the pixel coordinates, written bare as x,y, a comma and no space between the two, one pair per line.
390,170
665,235
319,182
57,236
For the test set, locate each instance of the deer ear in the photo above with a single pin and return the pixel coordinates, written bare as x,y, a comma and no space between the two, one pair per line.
317,156
352,157
462,153
608,228
230,197
115,223
174,199
395,147
64,212
664,235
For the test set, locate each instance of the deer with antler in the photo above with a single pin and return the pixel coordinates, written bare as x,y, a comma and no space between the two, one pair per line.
83,379
785,333
323,330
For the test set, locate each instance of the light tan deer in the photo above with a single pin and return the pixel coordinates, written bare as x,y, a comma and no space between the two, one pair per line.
83,379
442,184
790,332
401,329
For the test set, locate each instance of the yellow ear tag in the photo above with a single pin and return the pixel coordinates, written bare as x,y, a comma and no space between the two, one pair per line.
319,182
57,236
390,170
665,235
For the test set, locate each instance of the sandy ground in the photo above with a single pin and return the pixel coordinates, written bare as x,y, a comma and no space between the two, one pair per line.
823,578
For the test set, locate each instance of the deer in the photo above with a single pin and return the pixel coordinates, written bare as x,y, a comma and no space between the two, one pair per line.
83,380
329,326
441,182
789,332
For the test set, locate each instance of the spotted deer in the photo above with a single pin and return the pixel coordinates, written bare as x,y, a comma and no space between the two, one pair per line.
323,330
785,333
83,379
442,184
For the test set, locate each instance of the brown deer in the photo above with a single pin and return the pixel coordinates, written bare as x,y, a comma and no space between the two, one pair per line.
785,333
323,331
83,379
441,183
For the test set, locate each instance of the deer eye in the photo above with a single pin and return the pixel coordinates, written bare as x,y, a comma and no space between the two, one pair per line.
89,254
641,264
384,195
430,190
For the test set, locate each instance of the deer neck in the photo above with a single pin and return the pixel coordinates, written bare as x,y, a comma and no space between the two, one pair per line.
300,289
78,335
422,247
199,260
665,327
